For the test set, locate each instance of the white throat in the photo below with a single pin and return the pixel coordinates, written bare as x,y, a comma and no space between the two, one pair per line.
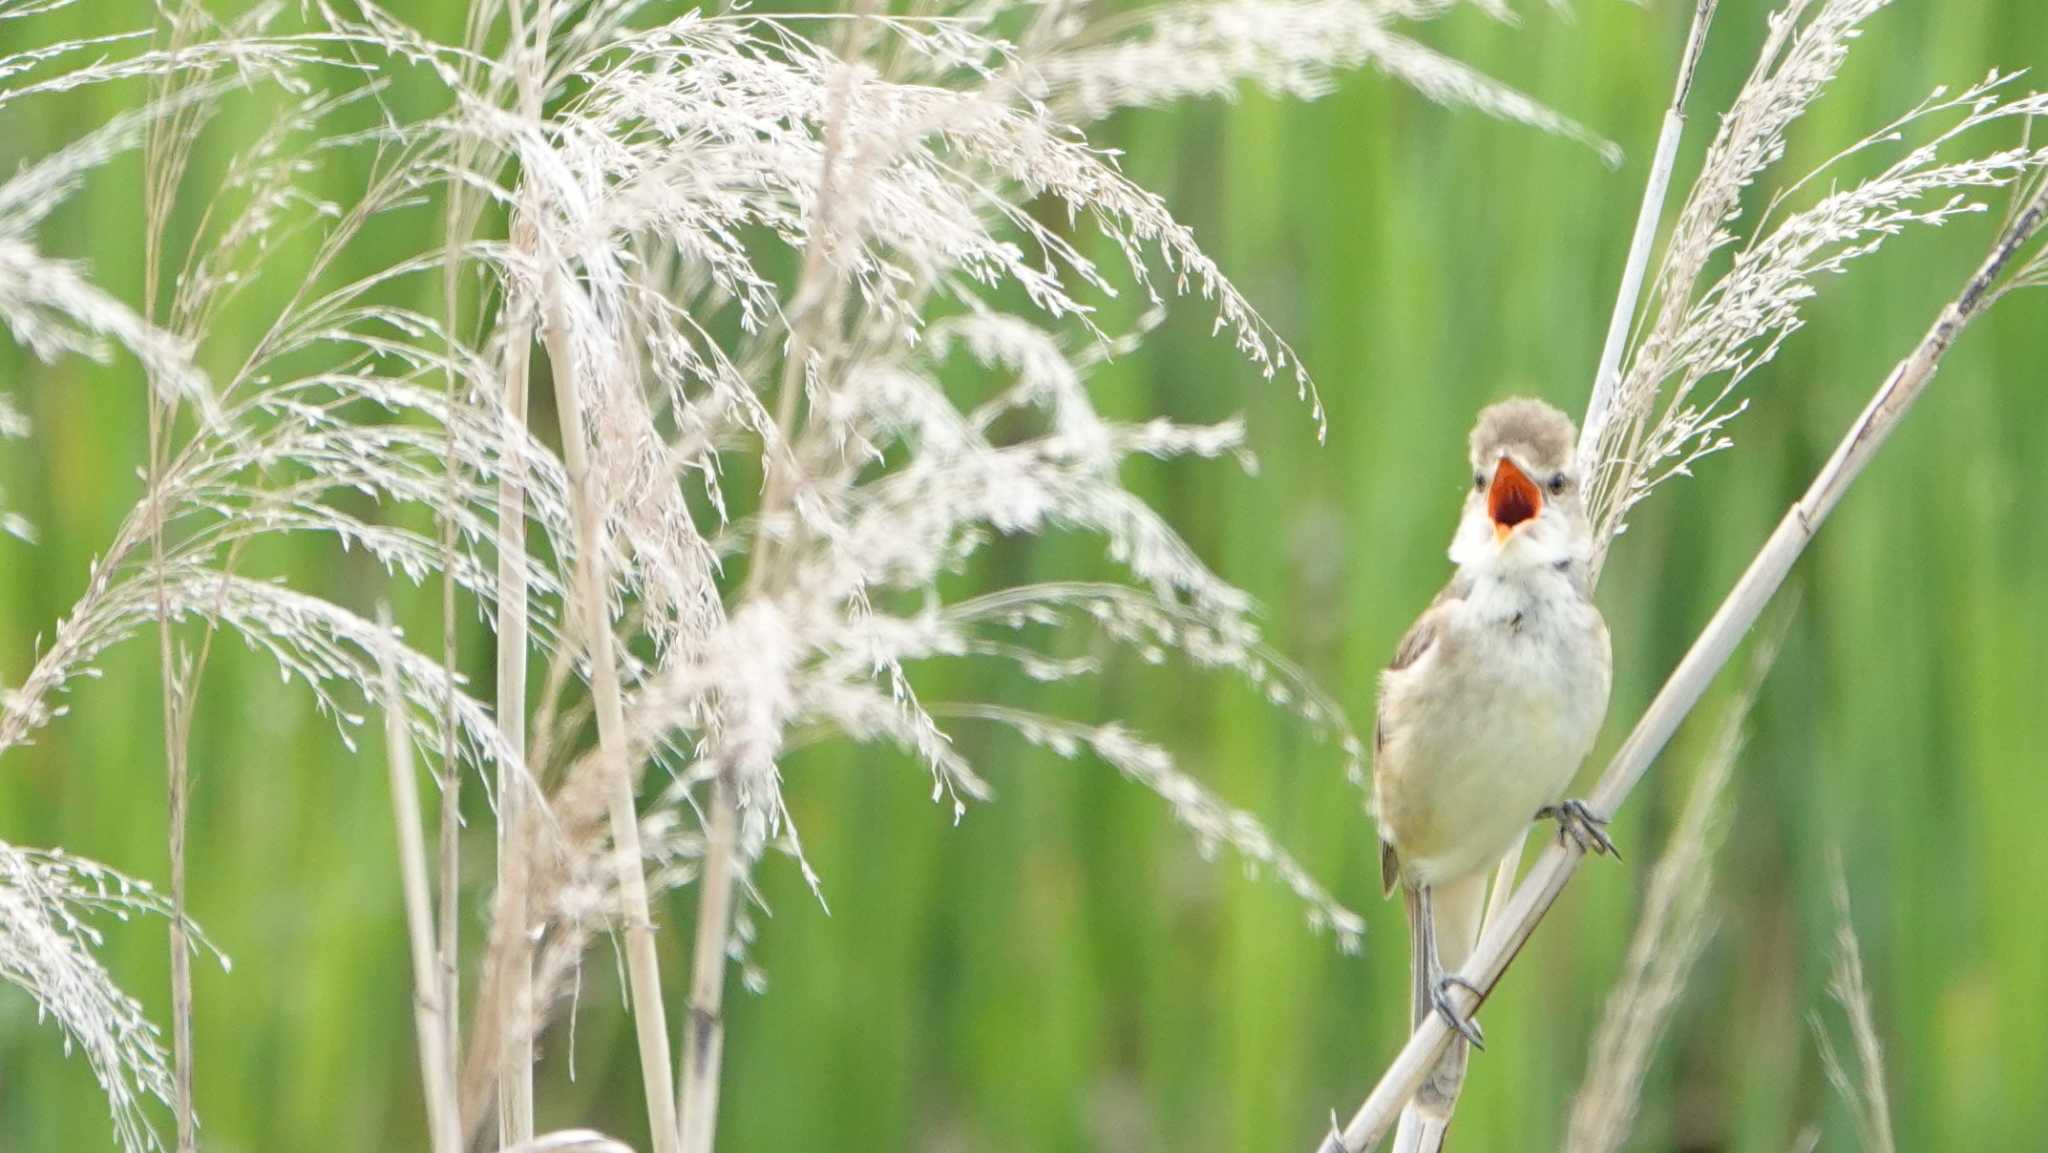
1537,553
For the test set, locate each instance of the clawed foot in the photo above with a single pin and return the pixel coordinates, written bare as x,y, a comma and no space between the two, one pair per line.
1466,1026
1578,822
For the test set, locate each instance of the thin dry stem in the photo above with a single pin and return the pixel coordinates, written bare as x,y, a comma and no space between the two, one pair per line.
437,1071
451,766
451,761
515,1085
704,1043
513,912
643,965
450,836
167,151
178,780
1607,378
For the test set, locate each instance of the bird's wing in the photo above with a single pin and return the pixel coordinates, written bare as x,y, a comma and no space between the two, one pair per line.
1417,641
1419,637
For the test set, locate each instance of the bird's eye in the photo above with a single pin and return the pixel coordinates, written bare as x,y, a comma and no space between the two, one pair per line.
1479,481
1557,484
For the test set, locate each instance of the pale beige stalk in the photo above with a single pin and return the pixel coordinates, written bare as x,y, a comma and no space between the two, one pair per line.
450,843
437,1070
643,966
1607,378
515,1058
704,1042
513,911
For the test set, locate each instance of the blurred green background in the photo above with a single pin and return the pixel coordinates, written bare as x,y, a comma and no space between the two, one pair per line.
1063,971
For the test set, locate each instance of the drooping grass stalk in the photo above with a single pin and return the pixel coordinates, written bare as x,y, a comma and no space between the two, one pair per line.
643,967
1501,941
437,1070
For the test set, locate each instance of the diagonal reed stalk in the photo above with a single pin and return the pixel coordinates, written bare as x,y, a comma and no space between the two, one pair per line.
437,1069
1504,939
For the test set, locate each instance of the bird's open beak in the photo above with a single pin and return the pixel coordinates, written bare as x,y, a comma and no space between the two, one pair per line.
1511,499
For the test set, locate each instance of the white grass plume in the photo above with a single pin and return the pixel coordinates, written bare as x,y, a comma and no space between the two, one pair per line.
662,183
775,247
1285,47
1698,345
331,405
52,907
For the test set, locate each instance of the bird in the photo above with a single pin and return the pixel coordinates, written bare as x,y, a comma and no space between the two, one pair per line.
1494,697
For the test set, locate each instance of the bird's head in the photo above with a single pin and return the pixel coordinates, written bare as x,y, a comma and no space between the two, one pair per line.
1525,509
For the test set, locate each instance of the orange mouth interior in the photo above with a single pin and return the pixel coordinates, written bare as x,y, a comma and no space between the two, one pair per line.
1512,499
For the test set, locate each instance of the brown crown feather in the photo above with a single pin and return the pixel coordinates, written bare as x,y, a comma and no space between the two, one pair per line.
1539,433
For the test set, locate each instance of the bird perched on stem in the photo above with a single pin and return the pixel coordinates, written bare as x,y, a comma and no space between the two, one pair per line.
1493,699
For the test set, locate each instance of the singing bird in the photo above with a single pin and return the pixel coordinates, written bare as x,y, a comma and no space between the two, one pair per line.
1493,699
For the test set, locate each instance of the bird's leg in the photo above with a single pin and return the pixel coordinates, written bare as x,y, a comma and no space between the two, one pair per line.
1586,828
1439,982
1466,1026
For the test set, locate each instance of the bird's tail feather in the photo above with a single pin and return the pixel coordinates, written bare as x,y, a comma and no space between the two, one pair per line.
1420,962
1443,929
